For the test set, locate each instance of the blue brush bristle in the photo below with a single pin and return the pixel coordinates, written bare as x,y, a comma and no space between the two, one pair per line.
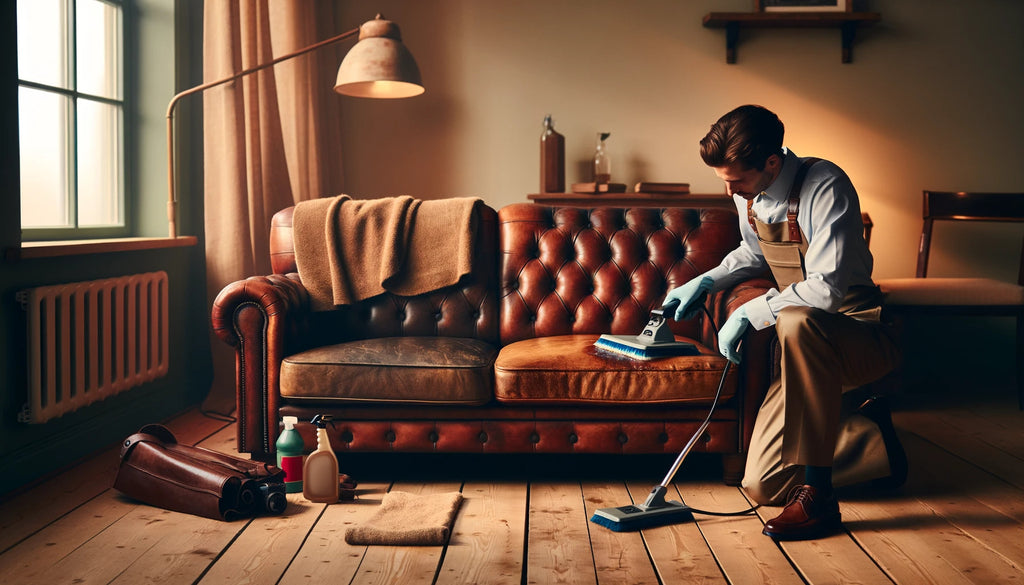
621,348
640,520
607,523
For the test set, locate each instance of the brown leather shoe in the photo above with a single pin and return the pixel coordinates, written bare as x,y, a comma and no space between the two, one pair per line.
806,515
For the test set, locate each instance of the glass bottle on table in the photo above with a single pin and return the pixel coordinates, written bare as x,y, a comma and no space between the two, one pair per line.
602,161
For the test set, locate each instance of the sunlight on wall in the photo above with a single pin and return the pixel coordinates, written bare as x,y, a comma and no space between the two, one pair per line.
917,109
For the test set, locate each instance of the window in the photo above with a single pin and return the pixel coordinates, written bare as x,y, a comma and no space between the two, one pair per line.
71,115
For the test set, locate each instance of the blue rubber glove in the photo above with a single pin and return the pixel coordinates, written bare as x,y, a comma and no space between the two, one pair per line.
688,295
731,333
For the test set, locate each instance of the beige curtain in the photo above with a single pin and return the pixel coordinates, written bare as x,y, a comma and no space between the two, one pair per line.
271,139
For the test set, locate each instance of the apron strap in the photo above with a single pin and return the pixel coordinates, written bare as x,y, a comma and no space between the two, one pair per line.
794,201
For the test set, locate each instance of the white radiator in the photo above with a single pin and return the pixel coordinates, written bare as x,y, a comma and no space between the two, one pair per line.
90,340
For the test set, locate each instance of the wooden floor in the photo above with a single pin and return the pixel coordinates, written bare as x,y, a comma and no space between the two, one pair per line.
958,520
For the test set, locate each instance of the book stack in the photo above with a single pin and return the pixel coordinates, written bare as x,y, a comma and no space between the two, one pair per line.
663,188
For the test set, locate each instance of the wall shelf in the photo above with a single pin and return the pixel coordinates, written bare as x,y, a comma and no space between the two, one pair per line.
634,199
847,22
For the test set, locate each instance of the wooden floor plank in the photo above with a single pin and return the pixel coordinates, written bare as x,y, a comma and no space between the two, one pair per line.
965,445
836,558
183,554
117,548
678,552
225,440
325,557
384,565
25,562
30,511
263,551
745,555
489,535
26,512
619,557
558,548
912,543
982,506
959,519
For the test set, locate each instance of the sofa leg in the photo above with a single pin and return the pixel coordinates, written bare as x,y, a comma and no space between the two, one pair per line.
732,467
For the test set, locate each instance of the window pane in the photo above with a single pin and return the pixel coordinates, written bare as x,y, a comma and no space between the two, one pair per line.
43,118
99,164
43,42
98,48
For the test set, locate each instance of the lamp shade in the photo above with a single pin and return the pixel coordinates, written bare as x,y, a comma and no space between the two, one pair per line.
379,65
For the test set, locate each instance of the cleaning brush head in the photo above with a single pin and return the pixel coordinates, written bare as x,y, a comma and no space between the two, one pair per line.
655,341
656,511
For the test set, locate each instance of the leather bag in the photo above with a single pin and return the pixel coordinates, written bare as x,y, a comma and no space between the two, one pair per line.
159,471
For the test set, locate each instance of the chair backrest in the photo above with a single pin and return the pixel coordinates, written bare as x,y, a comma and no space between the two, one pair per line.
963,206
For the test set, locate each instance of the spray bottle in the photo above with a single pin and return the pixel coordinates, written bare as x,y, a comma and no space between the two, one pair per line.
320,473
289,455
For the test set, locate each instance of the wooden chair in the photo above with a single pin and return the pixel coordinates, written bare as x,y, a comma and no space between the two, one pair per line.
964,296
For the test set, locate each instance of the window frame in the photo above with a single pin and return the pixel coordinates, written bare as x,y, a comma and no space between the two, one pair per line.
127,111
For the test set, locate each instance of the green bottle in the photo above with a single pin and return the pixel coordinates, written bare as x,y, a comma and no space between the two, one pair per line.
290,449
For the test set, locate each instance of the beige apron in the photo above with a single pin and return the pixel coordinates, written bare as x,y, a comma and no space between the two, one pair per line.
784,247
780,446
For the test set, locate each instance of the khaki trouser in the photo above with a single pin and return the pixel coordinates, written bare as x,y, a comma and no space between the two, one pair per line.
802,420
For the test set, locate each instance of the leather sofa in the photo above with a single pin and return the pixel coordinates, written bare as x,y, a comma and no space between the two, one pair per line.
504,361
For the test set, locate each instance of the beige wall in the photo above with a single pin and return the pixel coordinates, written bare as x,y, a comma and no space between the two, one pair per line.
932,100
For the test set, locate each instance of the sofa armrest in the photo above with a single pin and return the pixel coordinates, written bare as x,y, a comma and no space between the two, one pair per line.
264,319
760,351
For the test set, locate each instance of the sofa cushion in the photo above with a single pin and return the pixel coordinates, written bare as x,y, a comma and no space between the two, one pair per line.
569,369
420,370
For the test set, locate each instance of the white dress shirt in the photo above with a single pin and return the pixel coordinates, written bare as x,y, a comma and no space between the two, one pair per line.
837,255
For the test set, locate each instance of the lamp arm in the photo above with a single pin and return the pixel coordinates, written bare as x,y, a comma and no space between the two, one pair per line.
172,201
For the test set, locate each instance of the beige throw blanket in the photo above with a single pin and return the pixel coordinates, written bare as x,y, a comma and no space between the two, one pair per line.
348,250
405,519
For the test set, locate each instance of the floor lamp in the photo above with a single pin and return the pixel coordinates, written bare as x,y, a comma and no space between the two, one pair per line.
378,66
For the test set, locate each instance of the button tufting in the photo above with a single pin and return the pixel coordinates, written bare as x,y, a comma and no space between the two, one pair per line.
482,437
433,436
623,439
346,437
706,437
573,438
390,436
663,438
534,438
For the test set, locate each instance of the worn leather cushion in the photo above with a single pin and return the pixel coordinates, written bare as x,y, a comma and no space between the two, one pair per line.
440,370
569,369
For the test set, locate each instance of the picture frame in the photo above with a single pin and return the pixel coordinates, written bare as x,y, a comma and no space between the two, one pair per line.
804,5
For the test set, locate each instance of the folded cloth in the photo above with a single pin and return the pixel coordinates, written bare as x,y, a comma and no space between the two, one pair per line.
405,519
348,250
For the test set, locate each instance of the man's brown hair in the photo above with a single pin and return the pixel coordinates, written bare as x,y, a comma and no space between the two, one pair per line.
747,135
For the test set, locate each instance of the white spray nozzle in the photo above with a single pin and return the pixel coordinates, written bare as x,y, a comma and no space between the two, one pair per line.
289,422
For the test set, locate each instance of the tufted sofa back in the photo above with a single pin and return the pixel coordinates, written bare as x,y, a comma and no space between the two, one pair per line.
469,309
572,271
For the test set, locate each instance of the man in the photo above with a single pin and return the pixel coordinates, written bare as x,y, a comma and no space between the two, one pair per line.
801,218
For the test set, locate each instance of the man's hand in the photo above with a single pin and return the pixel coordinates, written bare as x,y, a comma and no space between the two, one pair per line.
731,333
690,297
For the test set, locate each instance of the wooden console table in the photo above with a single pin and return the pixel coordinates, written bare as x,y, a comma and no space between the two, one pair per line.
633,200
